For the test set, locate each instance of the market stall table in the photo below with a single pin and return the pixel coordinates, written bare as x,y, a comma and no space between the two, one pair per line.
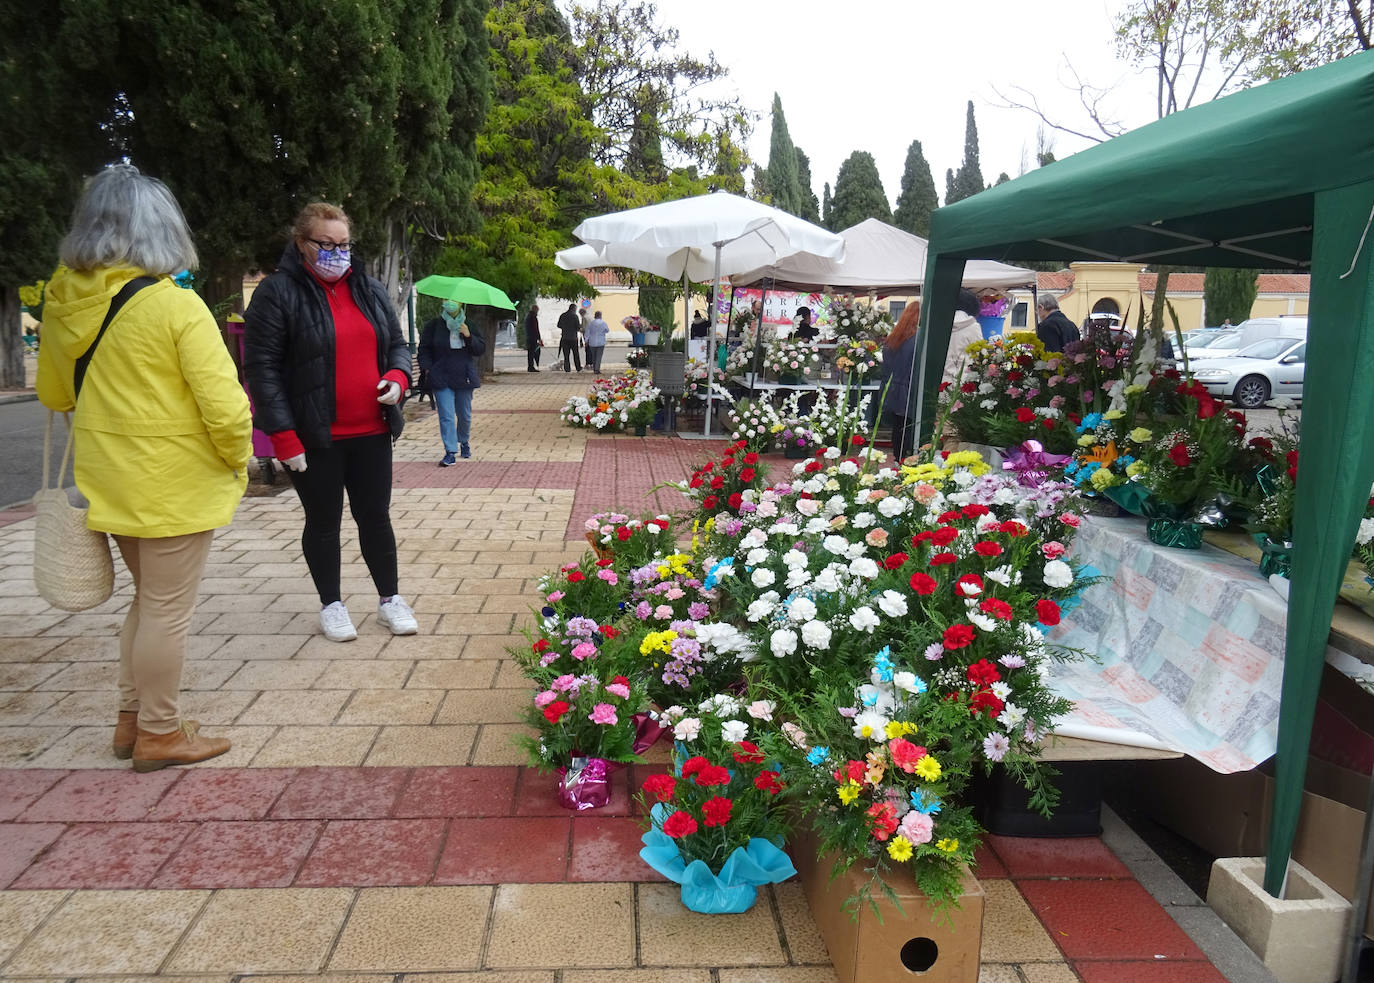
1190,647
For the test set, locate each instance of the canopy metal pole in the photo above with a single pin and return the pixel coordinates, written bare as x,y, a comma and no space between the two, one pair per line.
711,347
758,333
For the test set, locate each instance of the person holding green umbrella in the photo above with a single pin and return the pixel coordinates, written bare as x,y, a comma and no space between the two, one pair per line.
450,355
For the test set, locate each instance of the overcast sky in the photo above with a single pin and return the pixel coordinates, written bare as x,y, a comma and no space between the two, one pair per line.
876,74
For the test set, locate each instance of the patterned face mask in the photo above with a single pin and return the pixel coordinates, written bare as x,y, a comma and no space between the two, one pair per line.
332,264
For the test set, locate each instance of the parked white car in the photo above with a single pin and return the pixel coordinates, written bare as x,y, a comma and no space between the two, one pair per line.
1272,367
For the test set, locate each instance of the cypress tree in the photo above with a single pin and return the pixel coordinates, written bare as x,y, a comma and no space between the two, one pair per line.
1002,178
918,198
1229,294
827,208
949,187
783,183
859,192
808,207
968,181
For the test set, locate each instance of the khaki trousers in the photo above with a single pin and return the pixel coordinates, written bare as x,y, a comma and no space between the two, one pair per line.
152,645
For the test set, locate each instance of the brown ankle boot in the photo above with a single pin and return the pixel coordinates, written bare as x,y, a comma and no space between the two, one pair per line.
126,730
183,746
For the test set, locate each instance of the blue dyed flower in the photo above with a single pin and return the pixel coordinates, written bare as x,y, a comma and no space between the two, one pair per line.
920,804
817,756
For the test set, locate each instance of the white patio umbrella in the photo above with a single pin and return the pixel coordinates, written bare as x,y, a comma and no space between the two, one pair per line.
697,238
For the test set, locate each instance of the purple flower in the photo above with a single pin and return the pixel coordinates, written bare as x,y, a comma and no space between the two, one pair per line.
935,652
697,610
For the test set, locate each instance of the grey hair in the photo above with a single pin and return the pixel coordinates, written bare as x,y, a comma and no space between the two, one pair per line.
125,218
1047,303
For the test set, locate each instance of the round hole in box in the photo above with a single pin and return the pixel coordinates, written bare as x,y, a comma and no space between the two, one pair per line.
919,954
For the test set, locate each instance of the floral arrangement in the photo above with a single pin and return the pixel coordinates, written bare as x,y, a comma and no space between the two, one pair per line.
1183,466
638,358
698,374
756,422
858,356
878,633
722,792
849,320
722,484
992,305
607,406
627,540
1276,476
636,324
1364,541
1005,395
792,359
835,418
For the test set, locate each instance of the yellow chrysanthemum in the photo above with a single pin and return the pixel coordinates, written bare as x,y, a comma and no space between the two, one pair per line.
948,845
963,459
848,792
1087,440
1102,479
1136,468
657,641
1113,414
928,768
899,848
1134,388
899,728
1141,435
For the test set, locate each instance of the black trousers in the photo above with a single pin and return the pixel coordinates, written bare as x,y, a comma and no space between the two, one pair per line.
532,355
362,467
570,349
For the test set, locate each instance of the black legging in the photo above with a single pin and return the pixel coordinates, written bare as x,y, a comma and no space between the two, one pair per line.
362,466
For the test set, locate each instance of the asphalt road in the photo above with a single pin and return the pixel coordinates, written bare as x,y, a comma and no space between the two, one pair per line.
21,449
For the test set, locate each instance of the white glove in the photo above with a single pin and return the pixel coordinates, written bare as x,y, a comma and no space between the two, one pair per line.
390,392
296,463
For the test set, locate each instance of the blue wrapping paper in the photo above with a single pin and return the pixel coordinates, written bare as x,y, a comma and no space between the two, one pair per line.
731,891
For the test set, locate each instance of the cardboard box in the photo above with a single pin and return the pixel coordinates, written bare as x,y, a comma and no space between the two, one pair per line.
1228,815
915,942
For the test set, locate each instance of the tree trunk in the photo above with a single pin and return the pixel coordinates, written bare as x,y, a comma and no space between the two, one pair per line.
393,270
11,340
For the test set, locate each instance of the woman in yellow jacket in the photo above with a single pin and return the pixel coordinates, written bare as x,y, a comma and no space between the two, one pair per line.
162,436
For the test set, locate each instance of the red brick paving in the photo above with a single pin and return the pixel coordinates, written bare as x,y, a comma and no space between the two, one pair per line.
246,854
369,852
1171,971
1050,857
1106,919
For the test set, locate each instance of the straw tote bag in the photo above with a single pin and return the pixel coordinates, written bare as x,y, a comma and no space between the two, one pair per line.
72,566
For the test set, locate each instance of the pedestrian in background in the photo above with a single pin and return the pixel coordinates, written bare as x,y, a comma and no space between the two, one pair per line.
898,377
162,435
451,353
597,330
1054,329
568,329
534,341
327,364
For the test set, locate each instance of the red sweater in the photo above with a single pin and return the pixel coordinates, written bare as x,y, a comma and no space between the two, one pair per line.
356,410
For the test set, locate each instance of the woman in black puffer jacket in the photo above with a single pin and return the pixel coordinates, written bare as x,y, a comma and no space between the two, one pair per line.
326,365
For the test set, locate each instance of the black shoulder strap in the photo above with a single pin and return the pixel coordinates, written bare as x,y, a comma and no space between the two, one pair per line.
128,290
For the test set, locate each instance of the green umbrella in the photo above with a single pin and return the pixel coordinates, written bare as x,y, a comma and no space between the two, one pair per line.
465,290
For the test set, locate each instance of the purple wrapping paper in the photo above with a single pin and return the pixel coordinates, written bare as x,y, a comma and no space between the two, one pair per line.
647,732
1031,463
584,784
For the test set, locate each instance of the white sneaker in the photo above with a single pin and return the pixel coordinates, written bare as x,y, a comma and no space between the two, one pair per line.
397,616
337,625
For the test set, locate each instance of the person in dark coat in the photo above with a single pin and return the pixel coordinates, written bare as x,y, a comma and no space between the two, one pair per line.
534,341
451,354
701,326
898,377
326,366
803,326
569,327
1054,329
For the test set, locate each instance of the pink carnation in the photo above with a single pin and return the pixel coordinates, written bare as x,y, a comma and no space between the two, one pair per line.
917,827
609,576
1053,550
583,650
555,597
603,713
545,698
564,683
618,689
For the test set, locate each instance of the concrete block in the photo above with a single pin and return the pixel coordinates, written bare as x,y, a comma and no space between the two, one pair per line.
1300,937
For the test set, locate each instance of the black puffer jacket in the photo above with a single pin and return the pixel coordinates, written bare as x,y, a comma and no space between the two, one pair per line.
449,367
289,349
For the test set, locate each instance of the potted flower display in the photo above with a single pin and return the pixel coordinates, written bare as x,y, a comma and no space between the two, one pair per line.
848,319
637,358
856,358
756,422
791,361
607,406
639,328
992,314
641,412
714,825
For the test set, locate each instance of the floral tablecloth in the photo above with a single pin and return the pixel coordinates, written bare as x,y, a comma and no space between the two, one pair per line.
1190,645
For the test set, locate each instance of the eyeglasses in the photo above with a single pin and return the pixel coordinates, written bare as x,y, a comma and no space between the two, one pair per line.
325,246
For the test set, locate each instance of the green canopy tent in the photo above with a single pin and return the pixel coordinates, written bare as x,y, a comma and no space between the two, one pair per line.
1280,176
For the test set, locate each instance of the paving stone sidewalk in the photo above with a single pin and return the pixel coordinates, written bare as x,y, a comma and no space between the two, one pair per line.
374,817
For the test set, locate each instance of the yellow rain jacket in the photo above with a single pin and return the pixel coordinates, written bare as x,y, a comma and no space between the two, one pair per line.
163,435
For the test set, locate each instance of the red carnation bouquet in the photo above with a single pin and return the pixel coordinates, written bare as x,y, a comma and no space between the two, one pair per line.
720,485
722,792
